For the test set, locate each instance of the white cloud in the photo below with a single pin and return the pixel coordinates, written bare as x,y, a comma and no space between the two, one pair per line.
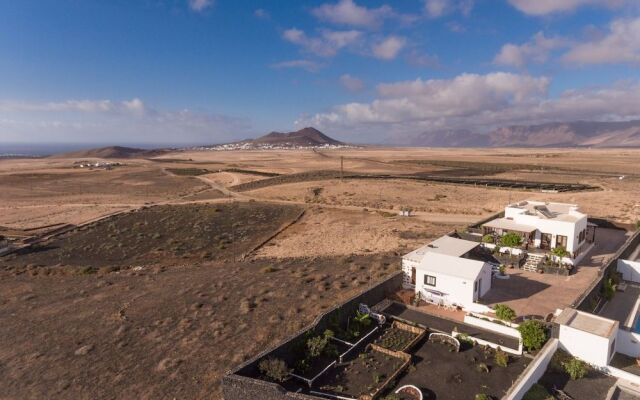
439,8
347,12
200,5
351,83
307,65
436,8
621,44
327,44
544,7
262,13
535,50
475,102
389,48
129,121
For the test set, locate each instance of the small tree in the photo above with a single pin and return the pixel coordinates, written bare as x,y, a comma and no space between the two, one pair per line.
274,368
533,334
504,312
576,368
501,358
511,240
560,252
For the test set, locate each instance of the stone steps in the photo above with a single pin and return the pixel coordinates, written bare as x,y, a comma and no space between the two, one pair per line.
532,262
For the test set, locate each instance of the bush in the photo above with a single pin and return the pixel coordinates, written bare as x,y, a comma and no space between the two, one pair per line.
538,392
533,334
274,368
608,290
482,396
501,358
316,345
487,239
560,252
576,368
505,312
511,240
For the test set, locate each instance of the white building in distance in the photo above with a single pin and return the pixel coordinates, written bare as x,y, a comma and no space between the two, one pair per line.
545,226
448,272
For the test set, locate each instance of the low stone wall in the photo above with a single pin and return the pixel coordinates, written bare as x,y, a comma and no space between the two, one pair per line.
243,382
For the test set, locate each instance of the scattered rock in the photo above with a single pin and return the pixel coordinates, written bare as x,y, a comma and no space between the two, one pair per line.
84,350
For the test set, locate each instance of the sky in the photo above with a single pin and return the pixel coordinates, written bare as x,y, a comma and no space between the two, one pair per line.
213,71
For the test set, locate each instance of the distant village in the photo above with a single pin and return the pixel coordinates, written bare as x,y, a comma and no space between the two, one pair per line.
266,146
106,165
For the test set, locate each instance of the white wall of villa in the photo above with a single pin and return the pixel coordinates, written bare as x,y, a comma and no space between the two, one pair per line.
630,270
547,225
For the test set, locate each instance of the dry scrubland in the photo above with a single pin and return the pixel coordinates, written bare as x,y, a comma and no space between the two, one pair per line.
151,304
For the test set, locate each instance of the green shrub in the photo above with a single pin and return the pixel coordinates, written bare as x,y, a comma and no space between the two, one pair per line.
533,334
538,392
274,368
487,239
316,345
482,396
511,240
559,252
501,358
504,312
608,290
576,368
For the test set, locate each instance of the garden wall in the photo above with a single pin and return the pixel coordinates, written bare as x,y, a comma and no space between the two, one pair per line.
243,382
591,295
492,326
533,372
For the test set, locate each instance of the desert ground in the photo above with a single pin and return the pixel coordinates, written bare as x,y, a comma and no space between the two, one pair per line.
151,279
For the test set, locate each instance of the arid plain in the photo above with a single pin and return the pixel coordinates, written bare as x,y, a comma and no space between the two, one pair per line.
150,279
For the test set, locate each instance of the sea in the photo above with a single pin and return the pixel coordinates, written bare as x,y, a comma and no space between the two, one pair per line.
9,150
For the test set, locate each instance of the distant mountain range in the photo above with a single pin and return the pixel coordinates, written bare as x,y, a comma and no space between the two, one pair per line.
555,134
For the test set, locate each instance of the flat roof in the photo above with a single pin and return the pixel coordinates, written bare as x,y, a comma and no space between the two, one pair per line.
548,210
451,266
443,245
586,322
510,225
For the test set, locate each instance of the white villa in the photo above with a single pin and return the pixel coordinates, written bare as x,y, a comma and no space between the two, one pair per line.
447,272
545,226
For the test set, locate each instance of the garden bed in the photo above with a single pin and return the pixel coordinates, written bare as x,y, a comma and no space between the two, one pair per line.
400,337
365,375
445,374
594,386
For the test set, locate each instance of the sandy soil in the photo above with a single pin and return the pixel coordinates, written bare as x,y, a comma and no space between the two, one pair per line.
341,232
169,332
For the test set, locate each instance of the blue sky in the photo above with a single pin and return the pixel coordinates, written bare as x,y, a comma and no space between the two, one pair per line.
208,71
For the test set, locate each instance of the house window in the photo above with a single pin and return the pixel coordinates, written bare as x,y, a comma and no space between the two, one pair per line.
429,280
475,287
561,241
413,275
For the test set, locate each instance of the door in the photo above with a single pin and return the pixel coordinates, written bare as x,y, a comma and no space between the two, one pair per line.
413,276
545,241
